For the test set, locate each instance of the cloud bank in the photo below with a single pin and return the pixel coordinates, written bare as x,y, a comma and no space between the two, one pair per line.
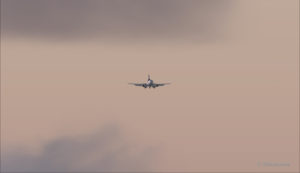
70,19
106,150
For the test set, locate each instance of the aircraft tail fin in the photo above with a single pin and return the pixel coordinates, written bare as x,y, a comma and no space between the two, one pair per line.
148,77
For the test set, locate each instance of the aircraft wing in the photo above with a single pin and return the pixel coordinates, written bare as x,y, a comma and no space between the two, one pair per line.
160,84
138,84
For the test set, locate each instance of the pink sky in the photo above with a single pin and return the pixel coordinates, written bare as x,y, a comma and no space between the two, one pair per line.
233,104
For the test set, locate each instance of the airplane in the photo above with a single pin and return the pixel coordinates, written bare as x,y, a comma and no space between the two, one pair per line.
149,84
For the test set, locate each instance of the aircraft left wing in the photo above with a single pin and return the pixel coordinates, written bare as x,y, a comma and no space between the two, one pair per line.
160,84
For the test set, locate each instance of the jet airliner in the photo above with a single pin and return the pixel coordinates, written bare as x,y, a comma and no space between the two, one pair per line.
149,84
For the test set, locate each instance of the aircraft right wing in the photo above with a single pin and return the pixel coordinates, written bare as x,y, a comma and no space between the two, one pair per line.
138,84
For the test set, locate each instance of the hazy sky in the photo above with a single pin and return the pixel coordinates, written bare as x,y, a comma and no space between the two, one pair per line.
232,105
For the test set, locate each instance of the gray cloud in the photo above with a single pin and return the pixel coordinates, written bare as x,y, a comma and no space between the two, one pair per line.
102,151
202,19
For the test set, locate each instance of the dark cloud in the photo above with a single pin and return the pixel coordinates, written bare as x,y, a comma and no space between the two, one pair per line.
103,151
114,18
